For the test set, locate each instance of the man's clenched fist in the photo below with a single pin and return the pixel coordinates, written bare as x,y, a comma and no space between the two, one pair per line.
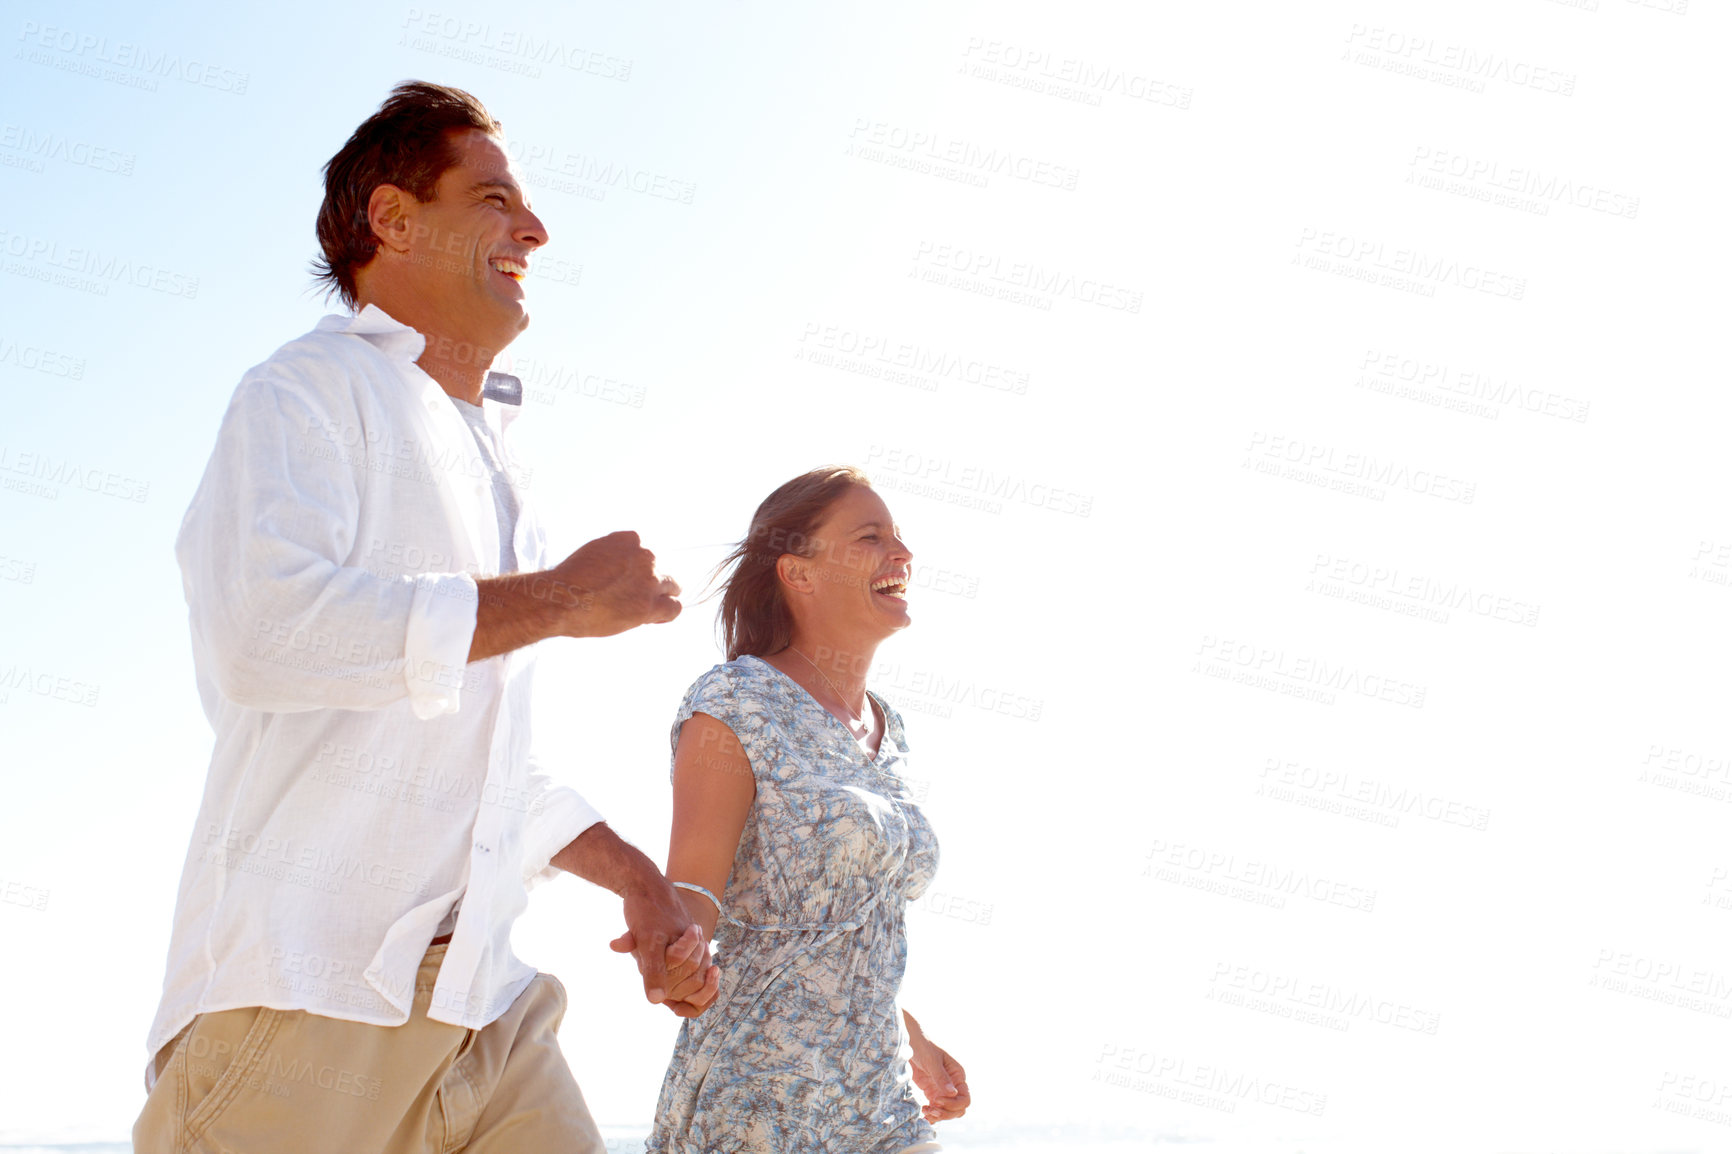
615,587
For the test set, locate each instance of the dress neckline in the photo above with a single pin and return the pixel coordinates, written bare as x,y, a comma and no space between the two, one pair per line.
883,714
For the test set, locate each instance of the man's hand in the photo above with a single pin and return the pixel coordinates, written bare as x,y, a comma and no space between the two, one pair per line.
690,983
670,950
613,586
674,959
608,586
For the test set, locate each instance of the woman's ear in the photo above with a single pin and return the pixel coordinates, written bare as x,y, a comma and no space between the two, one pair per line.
795,572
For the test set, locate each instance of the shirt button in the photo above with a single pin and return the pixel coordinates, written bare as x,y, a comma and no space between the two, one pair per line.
432,405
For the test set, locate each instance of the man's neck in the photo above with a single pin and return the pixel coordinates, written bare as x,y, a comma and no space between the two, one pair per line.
459,364
463,380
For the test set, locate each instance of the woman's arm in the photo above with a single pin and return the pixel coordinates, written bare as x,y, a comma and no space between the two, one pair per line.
939,1076
713,792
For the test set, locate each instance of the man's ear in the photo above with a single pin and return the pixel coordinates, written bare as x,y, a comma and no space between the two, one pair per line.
795,572
390,212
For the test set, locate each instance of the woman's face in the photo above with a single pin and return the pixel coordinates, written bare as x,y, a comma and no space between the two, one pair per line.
861,569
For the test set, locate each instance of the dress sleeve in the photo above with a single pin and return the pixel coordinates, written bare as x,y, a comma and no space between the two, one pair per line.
725,693
714,694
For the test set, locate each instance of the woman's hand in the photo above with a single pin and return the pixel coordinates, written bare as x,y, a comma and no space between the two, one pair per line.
939,1076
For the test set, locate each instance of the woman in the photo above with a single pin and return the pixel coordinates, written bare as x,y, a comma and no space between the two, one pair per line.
796,844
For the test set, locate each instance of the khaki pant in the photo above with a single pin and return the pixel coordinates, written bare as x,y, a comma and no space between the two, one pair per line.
259,1081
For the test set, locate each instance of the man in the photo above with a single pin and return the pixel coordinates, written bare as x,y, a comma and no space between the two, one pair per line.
363,577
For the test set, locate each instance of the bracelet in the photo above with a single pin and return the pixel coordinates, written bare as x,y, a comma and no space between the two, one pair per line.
853,923
697,889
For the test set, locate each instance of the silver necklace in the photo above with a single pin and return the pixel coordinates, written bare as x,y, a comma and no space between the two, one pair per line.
857,718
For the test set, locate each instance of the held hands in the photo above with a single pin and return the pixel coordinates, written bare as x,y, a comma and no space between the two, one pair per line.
941,1079
671,953
613,586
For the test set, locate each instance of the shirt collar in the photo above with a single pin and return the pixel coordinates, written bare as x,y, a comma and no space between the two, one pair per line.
396,339
390,336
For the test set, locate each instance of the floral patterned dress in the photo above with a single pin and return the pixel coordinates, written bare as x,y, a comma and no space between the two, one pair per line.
804,1048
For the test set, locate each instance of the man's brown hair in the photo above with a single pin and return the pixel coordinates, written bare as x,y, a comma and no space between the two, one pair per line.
406,143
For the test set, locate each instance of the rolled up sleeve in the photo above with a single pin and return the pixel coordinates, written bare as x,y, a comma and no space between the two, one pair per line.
436,652
557,815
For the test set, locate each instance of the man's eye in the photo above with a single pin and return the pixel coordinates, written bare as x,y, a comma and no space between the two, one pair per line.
870,537
497,197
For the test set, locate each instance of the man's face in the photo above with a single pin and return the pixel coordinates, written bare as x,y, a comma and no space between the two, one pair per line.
469,247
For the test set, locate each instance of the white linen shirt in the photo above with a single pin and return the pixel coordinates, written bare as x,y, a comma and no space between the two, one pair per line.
365,777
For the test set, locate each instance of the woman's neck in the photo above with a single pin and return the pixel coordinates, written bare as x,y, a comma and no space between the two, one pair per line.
842,665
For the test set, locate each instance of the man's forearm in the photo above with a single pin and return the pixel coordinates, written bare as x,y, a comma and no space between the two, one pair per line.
601,856
606,587
519,610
